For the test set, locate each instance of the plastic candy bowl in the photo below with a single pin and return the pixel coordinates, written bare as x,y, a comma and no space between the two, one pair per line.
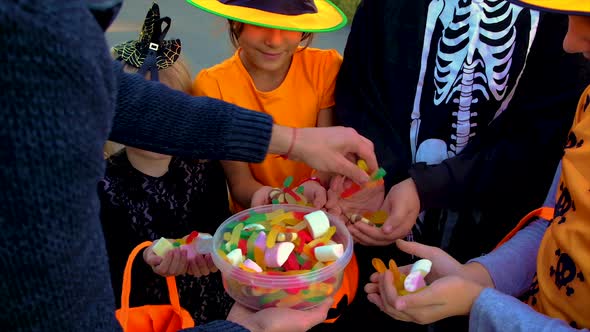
301,276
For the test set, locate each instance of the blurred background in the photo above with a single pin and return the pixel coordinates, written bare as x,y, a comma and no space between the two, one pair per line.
204,36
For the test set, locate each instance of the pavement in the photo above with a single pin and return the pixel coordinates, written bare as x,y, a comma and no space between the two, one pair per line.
205,40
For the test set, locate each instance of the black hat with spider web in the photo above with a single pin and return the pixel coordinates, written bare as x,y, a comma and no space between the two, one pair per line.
150,52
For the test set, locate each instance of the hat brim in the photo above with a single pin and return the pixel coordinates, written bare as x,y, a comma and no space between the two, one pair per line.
568,7
328,18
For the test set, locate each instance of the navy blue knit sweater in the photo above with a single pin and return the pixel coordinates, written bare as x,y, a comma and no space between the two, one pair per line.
59,93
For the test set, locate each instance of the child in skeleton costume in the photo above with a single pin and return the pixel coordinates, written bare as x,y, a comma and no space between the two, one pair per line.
545,263
466,102
146,195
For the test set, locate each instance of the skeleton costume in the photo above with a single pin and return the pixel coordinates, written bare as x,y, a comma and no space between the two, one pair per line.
469,98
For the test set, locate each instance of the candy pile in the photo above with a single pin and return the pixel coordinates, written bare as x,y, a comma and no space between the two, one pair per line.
194,243
411,283
280,243
288,195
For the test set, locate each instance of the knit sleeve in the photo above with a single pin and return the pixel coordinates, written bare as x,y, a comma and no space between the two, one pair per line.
493,311
218,325
156,118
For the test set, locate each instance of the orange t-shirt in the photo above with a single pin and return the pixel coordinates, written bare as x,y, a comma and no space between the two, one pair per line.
307,89
562,286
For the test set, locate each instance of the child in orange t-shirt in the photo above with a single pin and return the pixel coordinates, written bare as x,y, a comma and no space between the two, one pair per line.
272,72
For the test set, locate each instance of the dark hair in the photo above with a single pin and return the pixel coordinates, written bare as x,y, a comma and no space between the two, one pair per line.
236,28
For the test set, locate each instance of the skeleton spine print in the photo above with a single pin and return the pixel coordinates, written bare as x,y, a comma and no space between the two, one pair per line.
474,53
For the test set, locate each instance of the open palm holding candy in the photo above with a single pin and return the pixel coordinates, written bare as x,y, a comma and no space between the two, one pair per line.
406,284
357,203
282,256
308,192
194,243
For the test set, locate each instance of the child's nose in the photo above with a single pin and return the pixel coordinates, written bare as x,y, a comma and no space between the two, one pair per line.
273,37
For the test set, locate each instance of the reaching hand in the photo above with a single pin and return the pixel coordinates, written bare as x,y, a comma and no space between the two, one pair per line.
279,319
334,150
403,206
172,264
446,297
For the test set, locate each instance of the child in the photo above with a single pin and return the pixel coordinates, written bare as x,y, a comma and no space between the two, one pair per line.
546,263
146,195
272,73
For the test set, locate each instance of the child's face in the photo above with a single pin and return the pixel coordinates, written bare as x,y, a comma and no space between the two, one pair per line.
268,49
577,39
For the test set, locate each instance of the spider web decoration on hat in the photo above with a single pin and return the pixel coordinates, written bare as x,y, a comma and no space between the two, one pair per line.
134,52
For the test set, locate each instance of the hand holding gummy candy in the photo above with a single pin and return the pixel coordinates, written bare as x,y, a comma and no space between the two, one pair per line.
451,292
353,202
188,255
402,206
302,194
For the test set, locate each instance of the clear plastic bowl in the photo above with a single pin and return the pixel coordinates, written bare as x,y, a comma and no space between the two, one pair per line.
298,291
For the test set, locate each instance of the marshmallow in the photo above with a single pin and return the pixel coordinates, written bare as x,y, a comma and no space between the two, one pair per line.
162,246
260,242
328,253
235,257
317,222
252,265
203,243
278,254
423,266
253,227
414,281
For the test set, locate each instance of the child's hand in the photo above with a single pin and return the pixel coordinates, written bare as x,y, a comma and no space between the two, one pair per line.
446,297
261,196
314,193
444,265
172,264
365,200
201,265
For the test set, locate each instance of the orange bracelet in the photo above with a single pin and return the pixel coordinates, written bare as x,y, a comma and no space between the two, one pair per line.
286,155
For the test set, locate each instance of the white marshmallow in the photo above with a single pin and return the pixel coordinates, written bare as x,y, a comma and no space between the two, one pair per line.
162,246
235,257
253,227
252,265
328,253
203,243
422,265
277,255
317,222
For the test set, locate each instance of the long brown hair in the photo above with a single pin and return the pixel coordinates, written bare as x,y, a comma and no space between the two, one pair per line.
235,29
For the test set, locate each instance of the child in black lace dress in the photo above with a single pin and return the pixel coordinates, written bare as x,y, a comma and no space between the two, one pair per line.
145,195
